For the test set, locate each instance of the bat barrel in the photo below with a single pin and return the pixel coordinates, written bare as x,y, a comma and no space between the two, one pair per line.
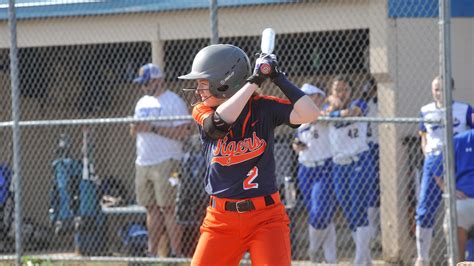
268,41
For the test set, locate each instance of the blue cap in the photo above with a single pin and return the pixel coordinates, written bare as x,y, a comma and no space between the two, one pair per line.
147,73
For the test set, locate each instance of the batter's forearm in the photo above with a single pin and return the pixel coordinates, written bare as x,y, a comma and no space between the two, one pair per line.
230,110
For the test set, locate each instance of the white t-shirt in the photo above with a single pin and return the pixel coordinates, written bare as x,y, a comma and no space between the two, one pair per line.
153,148
316,138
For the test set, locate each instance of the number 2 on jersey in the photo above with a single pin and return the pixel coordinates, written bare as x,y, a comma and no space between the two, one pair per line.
253,173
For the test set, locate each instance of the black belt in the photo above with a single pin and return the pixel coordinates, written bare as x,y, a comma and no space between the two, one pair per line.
244,205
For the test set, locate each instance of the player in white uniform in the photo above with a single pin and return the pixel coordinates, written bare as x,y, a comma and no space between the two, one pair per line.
432,136
351,157
370,95
314,181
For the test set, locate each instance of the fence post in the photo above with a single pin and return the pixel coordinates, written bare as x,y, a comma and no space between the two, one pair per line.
214,27
15,127
450,188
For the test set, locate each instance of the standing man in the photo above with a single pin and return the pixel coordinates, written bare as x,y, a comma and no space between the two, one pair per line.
432,146
464,174
351,159
315,181
159,150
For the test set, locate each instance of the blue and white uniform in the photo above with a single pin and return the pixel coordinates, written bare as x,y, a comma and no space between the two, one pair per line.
314,174
464,168
430,194
350,155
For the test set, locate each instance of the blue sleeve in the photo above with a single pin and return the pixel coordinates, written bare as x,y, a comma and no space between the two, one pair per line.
422,124
457,156
362,105
469,117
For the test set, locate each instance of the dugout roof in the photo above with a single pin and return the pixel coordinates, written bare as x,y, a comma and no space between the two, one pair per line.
29,9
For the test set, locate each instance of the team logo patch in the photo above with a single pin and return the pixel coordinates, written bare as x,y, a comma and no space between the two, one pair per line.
233,152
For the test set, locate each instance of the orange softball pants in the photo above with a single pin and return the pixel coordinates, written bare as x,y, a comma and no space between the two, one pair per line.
226,235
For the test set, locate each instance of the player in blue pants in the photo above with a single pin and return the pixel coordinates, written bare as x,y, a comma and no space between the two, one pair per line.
351,157
464,176
315,182
432,146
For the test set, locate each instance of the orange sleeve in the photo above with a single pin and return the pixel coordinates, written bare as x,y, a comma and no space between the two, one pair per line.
201,112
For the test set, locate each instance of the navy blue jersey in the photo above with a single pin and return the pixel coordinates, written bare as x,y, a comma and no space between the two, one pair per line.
242,164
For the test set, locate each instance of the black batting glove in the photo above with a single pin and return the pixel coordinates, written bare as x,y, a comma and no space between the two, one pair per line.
266,66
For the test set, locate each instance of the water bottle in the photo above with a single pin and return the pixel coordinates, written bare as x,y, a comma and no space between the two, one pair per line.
290,192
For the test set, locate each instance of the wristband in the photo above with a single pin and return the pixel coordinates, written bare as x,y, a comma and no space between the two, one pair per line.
336,113
292,92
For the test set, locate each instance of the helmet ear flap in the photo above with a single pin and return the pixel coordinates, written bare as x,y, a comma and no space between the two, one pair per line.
223,88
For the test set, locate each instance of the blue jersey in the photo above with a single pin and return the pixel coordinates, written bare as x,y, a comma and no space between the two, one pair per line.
242,164
464,161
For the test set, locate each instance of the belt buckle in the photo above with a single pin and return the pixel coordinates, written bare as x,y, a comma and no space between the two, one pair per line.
237,204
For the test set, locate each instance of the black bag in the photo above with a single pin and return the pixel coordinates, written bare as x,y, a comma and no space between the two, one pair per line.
192,198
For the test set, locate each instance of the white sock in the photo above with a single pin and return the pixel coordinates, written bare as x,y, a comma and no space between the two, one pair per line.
423,242
373,216
363,237
329,245
316,239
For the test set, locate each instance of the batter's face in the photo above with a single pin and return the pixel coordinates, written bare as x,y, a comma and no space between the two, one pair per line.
204,93
341,90
436,90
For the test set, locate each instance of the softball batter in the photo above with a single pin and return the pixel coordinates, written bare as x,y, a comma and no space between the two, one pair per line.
237,131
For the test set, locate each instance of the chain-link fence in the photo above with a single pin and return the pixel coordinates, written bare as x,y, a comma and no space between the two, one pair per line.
346,182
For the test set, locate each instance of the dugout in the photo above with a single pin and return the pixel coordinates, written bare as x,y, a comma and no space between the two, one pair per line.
399,48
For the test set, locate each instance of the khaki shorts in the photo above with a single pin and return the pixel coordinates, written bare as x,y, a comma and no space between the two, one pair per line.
152,185
464,209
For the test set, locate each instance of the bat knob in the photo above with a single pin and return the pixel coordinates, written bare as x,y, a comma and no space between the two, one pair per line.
265,68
